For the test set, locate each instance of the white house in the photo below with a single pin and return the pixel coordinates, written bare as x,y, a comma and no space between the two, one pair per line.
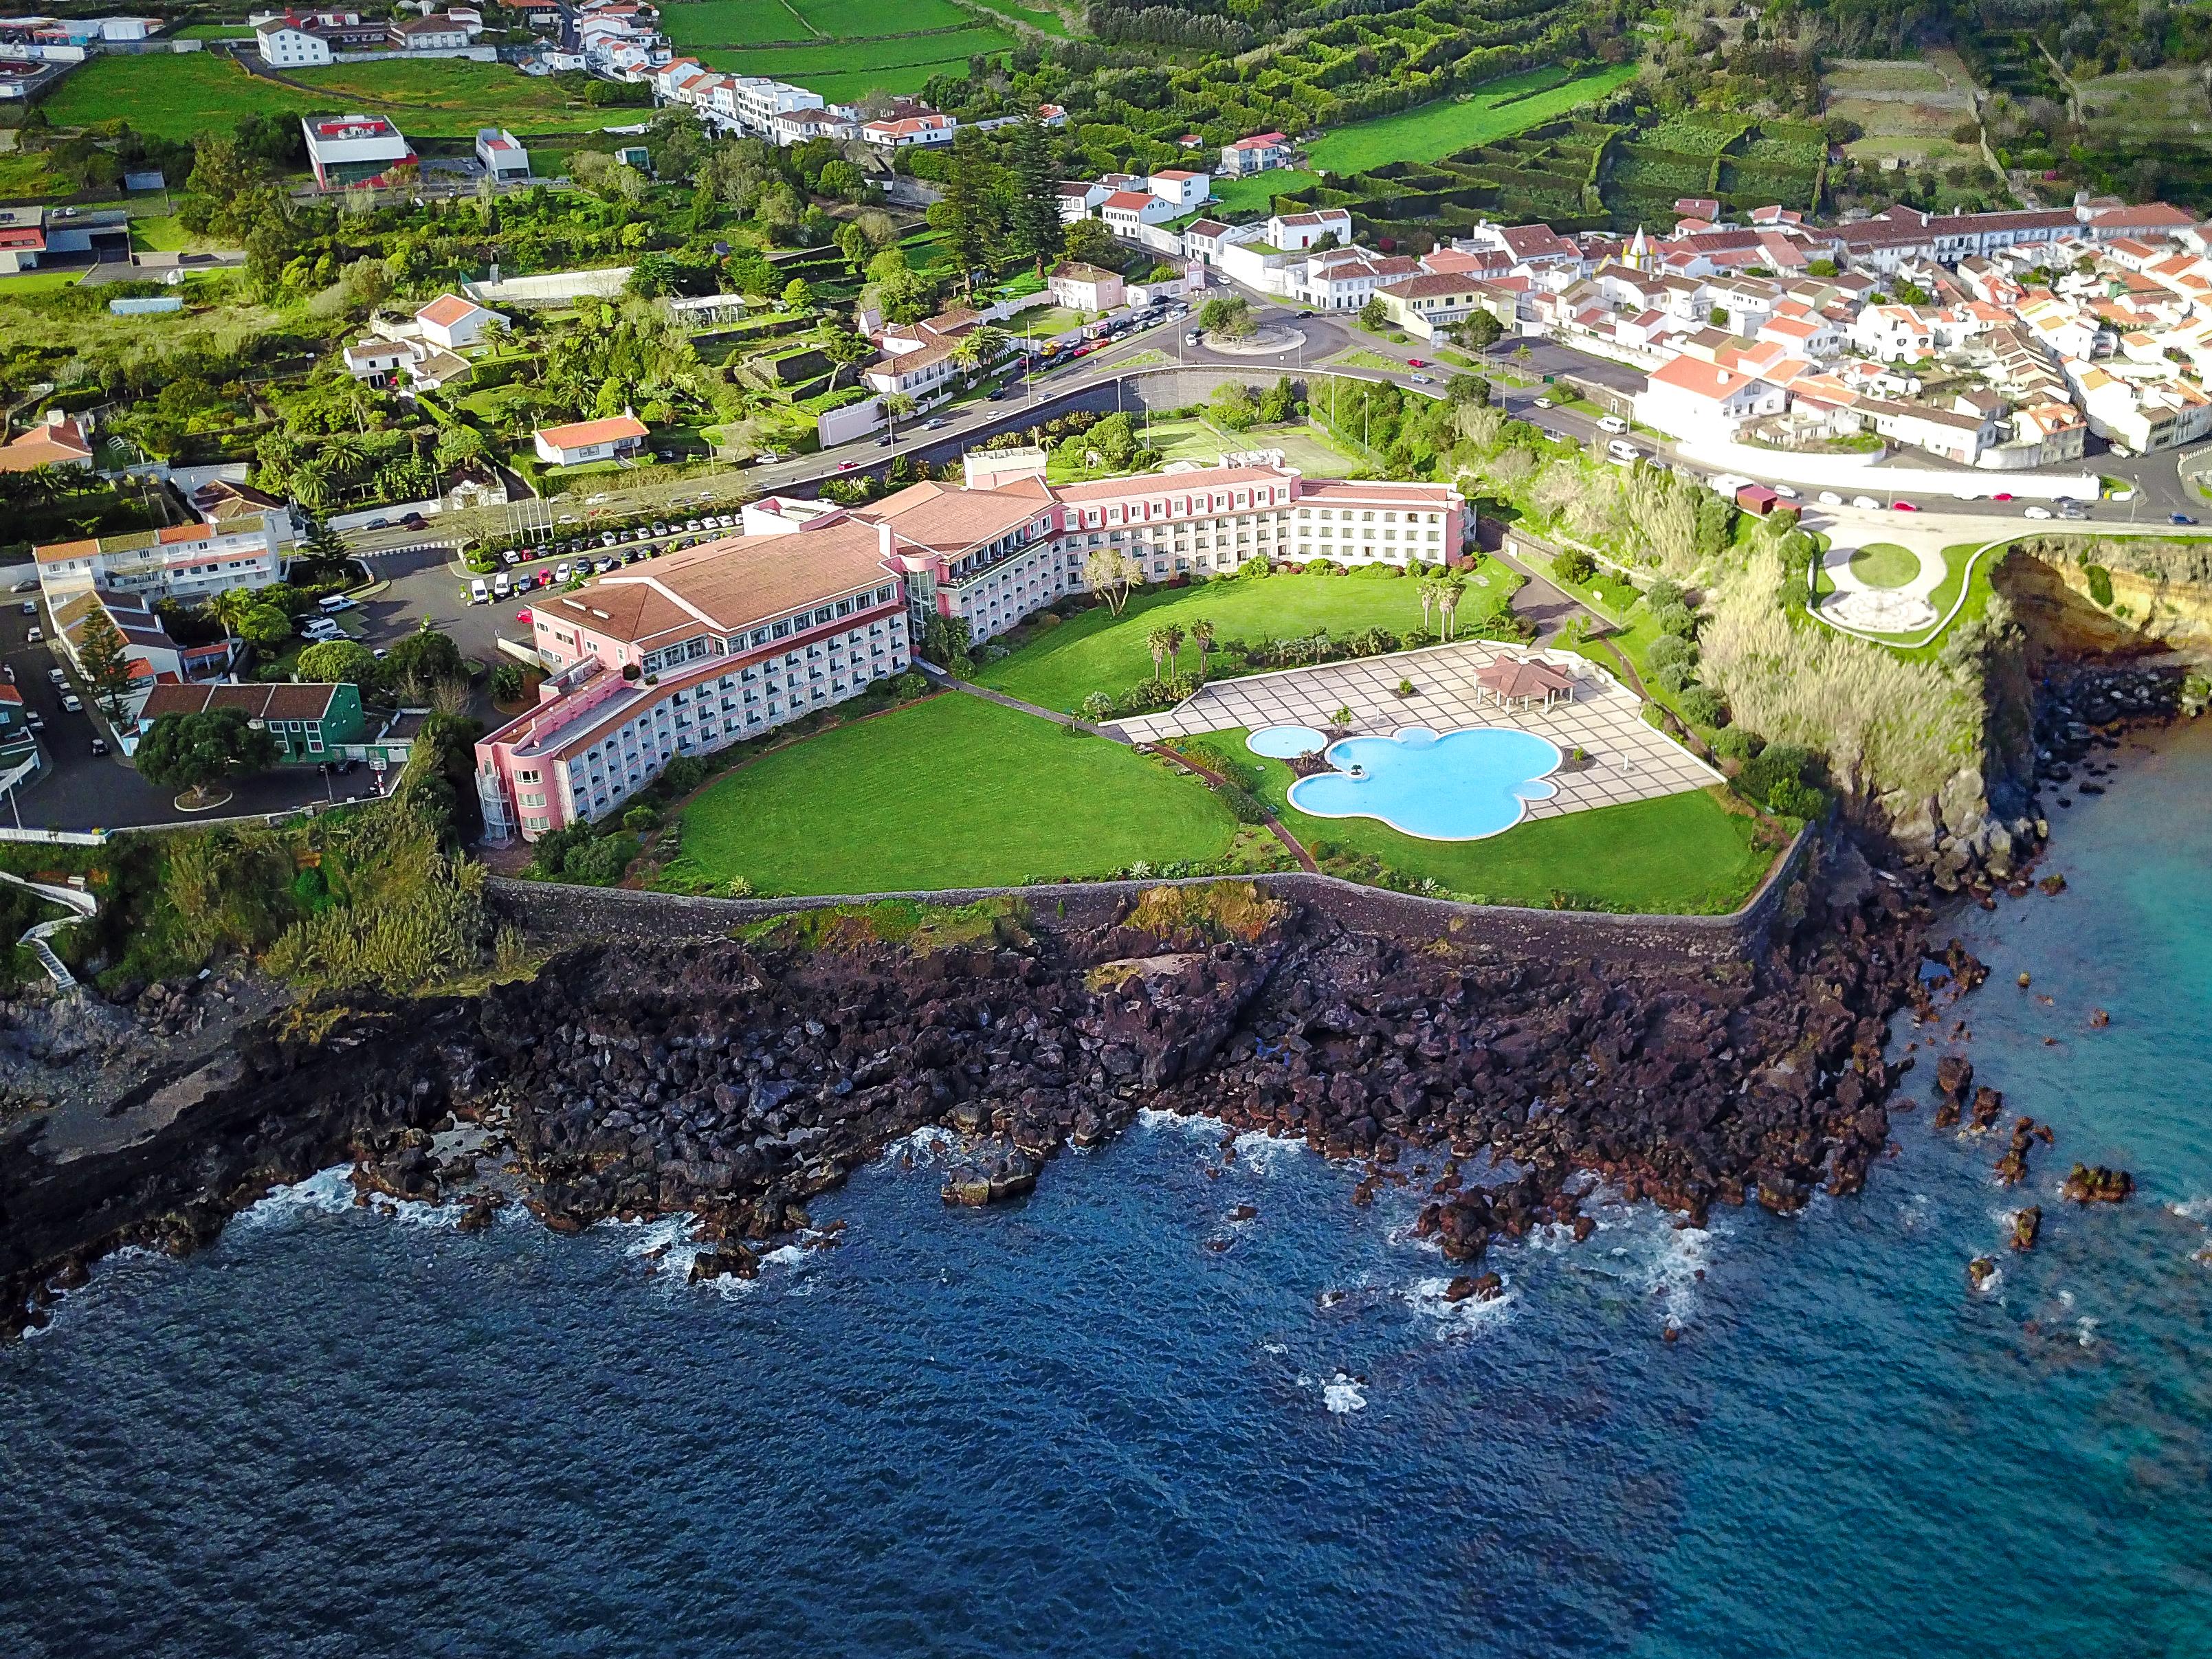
455,324
1257,153
1698,400
922,374
913,130
1077,197
590,441
352,149
374,361
1294,233
436,33
1346,280
1181,189
503,157
284,45
1126,210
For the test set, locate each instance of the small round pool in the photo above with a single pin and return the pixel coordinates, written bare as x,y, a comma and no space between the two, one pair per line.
1286,742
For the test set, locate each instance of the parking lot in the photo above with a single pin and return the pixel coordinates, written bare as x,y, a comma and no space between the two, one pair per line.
78,790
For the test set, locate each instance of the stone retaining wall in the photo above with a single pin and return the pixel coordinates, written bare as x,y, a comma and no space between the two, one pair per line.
548,910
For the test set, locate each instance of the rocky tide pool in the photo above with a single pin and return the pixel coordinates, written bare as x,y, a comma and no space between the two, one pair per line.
1177,1401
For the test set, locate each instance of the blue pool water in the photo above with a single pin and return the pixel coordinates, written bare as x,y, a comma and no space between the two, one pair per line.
1286,742
1455,785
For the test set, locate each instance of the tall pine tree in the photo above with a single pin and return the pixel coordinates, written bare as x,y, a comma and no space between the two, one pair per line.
1036,229
105,657
963,214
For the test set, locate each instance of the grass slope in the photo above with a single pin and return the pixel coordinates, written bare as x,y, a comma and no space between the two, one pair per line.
1258,191
1097,651
948,792
1686,855
1496,110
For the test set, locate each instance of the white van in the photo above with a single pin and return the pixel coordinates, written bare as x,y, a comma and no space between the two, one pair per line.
502,585
1611,423
331,604
320,629
1621,450
479,593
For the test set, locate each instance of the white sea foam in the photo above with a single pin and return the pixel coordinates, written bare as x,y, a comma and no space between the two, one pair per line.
931,1141
1465,1317
1276,1348
1195,1123
1266,1154
2085,1331
2194,1209
1993,1283
327,1192
1342,1395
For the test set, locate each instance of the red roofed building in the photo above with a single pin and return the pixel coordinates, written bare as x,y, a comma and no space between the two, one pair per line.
1257,153
591,440
353,149
58,441
454,324
1694,399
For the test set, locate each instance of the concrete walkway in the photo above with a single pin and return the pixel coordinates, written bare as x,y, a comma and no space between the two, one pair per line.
83,905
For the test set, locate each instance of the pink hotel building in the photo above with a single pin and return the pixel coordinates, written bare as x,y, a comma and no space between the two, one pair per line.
727,641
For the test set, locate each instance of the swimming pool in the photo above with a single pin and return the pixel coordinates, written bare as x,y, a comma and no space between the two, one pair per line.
1286,742
1451,786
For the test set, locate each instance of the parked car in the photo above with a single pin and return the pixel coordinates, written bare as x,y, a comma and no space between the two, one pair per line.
1621,450
2180,518
1611,423
1306,314
99,745
1785,492
608,538
2002,496
691,524
30,587
1543,402
1903,507
605,565
523,615
30,607
1829,498
1865,503
72,703
35,720
414,522
725,519
513,555
561,571
502,585
377,524
56,678
2036,512
35,636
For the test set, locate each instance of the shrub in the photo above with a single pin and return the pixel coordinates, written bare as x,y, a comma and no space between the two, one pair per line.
911,684
1777,763
599,862
1670,649
1702,705
642,819
1257,565
1797,800
1671,676
682,775
1736,743
1663,593
1243,805
1574,566
1676,619
2100,585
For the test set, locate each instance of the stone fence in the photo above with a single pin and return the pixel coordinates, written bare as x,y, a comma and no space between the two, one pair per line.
615,914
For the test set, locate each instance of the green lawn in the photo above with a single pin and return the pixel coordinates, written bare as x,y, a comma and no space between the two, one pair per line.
947,793
1681,854
1496,110
1258,191
183,94
732,23
1885,564
1097,651
1194,438
843,68
1042,322
37,281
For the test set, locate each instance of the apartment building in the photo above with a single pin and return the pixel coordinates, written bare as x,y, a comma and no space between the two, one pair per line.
353,149
187,561
697,651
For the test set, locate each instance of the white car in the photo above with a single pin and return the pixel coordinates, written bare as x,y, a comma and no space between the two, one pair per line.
1829,498
2037,513
561,571
1785,492
1543,402
1611,423
71,703
1865,503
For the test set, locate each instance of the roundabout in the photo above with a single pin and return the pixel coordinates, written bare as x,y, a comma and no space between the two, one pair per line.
1270,340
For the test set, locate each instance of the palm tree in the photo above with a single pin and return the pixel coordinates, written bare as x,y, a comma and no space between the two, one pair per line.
1174,638
228,606
1430,591
1449,598
1158,639
967,354
1202,635
897,407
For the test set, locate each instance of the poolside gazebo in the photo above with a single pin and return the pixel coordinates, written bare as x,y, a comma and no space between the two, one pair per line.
1517,682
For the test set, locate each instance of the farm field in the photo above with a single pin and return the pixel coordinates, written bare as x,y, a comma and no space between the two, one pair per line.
1906,107
2146,106
839,48
1496,110
1037,16
949,792
184,94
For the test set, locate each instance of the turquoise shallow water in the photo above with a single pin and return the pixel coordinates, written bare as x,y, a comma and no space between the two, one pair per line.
1450,785
1072,1428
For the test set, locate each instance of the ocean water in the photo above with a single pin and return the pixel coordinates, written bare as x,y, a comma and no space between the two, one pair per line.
1113,1420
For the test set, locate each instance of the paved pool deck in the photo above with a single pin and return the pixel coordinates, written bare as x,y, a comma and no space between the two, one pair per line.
1629,761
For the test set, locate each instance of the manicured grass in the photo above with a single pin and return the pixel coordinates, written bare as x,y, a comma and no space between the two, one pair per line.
1373,360
731,23
856,19
1042,322
1681,854
157,235
841,70
1885,564
948,792
1258,191
1097,651
37,281
1496,110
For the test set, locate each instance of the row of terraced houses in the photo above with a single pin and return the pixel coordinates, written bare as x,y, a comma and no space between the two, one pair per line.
812,603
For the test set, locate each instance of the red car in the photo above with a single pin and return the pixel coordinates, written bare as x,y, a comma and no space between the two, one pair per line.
847,466
522,616
1417,363
2002,496
1904,507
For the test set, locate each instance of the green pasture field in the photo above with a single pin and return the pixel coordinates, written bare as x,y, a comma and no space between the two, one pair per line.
1496,110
